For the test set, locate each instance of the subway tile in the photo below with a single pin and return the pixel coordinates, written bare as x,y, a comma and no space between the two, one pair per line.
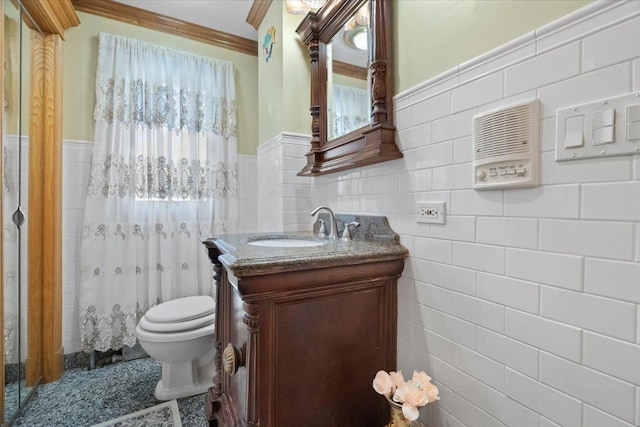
414,180
508,351
461,228
509,292
612,279
637,406
564,271
471,202
432,108
452,127
440,154
595,388
636,76
611,46
607,316
548,134
556,65
406,287
479,312
503,408
593,417
504,231
588,87
457,330
478,92
413,137
544,422
591,238
397,203
613,201
433,343
588,170
479,257
463,150
440,417
545,400
471,414
453,278
437,250
382,184
434,296
482,368
555,337
455,379
452,177
549,201
612,356
413,355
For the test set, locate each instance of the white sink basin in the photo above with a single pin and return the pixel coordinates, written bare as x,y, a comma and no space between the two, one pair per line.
286,243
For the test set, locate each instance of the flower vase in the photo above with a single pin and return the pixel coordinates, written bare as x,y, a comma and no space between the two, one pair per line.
398,419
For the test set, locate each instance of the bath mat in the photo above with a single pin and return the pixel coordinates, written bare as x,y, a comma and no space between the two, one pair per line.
163,415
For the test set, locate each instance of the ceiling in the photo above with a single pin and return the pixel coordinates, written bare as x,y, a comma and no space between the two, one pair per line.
222,15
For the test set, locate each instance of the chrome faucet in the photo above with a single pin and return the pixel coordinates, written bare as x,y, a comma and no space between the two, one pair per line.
333,227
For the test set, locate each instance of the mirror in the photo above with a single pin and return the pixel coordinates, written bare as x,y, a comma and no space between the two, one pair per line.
349,106
340,137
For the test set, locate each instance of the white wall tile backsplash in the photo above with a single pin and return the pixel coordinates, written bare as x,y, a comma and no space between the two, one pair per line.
526,303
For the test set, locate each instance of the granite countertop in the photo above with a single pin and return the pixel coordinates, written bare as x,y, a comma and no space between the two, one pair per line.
243,259
372,241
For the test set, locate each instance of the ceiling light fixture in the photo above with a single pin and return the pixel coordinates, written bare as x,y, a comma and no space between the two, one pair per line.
301,7
357,38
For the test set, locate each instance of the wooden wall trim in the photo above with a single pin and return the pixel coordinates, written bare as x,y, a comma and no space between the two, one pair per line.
51,16
53,352
33,362
349,70
257,12
166,24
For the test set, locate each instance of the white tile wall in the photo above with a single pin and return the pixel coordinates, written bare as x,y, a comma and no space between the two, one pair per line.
525,305
284,199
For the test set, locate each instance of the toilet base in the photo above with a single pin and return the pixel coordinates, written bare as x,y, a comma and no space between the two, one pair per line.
184,379
162,393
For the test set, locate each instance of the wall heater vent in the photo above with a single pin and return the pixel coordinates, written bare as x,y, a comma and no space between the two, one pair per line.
505,147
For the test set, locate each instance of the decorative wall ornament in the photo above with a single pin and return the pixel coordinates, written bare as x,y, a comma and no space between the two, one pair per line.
269,41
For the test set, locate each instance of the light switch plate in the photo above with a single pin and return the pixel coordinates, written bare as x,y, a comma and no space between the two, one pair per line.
600,139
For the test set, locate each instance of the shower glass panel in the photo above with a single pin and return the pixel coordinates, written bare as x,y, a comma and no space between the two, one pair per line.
15,161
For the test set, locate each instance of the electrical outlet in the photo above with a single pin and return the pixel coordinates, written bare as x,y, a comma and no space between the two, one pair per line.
430,212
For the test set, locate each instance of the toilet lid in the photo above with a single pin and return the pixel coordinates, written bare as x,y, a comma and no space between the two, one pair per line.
187,325
181,310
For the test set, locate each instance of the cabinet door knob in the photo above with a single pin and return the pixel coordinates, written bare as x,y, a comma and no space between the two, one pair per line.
231,359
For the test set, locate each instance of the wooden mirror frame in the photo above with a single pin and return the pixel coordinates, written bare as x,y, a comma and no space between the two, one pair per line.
370,144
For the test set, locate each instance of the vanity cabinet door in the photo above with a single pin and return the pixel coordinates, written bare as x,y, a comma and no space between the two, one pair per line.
324,350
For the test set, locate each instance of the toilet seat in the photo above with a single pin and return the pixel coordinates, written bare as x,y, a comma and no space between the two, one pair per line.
181,309
179,315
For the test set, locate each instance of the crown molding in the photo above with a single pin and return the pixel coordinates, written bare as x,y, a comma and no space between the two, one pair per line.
257,12
166,24
349,70
50,16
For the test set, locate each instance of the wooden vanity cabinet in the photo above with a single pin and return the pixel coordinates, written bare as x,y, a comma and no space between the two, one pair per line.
307,344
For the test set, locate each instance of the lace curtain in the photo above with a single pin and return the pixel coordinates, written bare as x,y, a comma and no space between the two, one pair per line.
162,177
351,109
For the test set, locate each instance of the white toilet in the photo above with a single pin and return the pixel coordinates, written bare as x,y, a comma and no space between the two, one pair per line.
180,334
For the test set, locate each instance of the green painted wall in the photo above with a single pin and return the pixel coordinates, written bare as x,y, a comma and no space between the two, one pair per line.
433,36
285,83
429,37
80,61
